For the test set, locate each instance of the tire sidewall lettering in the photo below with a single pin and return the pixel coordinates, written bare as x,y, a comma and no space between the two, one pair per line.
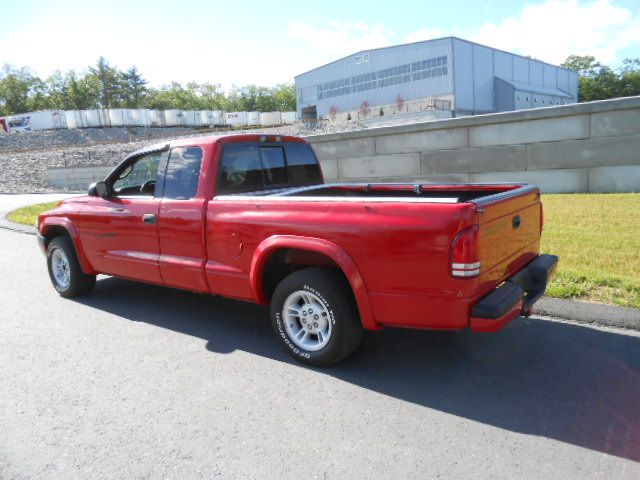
324,300
288,342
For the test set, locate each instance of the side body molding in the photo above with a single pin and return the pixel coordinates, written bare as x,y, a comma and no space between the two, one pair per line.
331,250
51,222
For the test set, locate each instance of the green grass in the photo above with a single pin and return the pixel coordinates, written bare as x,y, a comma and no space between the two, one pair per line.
597,237
29,215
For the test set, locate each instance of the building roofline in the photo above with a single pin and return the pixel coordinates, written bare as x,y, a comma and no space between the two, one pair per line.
451,37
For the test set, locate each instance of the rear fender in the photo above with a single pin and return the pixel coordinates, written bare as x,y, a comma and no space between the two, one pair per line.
331,250
50,223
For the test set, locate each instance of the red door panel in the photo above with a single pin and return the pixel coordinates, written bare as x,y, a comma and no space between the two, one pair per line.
182,248
117,240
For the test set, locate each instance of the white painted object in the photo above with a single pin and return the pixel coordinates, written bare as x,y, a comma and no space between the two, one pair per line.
139,117
236,119
156,118
216,118
173,118
288,118
76,118
189,118
253,118
117,117
98,118
268,119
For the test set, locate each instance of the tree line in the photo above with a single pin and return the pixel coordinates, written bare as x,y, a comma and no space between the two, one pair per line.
105,86
600,82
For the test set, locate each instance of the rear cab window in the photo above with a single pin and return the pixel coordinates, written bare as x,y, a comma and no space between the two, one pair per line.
255,167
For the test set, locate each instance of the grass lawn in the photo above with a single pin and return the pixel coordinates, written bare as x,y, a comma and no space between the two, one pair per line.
29,215
597,237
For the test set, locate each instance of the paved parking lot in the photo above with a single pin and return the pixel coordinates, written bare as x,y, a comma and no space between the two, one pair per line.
136,381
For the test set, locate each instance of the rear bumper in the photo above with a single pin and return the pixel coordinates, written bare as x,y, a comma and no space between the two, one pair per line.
515,296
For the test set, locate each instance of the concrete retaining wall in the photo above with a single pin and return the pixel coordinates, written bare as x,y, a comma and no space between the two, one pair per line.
76,178
589,147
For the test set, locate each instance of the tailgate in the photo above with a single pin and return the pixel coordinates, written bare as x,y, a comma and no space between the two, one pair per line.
509,233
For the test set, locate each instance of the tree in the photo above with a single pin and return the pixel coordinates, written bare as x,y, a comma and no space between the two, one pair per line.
585,65
630,77
109,80
595,81
134,88
17,87
285,97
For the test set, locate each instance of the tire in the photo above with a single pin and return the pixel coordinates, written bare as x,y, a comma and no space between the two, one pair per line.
64,269
314,315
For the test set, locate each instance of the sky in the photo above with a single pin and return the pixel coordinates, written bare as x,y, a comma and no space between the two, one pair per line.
264,43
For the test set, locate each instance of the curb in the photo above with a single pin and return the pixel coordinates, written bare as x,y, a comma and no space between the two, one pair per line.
15,227
590,313
570,310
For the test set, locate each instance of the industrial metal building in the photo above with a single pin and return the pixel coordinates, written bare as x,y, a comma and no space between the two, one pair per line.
465,77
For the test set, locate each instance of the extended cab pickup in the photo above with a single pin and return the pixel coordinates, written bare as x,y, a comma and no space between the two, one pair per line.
249,217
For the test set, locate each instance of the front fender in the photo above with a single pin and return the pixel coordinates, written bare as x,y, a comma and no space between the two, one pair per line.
331,250
48,225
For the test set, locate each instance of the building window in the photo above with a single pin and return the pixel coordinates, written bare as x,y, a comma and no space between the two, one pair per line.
430,68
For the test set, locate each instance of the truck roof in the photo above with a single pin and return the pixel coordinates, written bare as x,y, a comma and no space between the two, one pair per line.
209,139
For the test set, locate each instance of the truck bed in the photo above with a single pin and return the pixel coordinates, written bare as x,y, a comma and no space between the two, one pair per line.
401,192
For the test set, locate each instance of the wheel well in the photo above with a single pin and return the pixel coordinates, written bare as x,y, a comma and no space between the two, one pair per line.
285,261
54,232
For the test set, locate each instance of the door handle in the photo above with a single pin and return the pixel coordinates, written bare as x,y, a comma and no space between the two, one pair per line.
149,218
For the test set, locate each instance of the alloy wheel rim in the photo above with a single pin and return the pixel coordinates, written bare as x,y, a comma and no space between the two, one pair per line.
307,320
60,268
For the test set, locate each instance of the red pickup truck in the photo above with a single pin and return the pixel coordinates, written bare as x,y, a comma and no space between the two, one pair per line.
249,217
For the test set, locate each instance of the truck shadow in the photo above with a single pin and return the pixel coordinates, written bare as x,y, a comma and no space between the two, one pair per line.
562,381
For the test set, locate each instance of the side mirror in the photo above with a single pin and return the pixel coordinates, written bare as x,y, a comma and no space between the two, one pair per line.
98,189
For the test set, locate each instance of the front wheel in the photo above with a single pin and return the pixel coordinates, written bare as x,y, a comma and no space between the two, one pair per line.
314,315
64,269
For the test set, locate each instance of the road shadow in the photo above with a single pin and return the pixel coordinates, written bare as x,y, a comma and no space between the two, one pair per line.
563,381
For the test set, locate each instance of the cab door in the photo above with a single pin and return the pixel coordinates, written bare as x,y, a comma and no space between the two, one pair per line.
181,219
120,233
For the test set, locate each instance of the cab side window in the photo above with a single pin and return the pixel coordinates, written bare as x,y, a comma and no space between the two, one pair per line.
251,168
241,169
183,173
139,177
302,165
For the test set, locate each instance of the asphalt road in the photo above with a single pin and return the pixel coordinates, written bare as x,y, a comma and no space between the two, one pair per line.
136,381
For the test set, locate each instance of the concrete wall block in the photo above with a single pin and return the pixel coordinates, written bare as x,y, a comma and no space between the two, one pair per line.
76,178
543,130
615,123
452,178
329,169
474,160
549,181
357,147
405,164
423,141
615,179
593,152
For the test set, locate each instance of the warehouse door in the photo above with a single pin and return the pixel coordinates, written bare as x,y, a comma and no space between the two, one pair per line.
310,113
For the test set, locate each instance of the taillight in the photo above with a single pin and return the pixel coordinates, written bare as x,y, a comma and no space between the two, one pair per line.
465,254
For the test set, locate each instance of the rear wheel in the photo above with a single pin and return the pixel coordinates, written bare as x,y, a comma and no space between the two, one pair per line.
64,269
314,315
